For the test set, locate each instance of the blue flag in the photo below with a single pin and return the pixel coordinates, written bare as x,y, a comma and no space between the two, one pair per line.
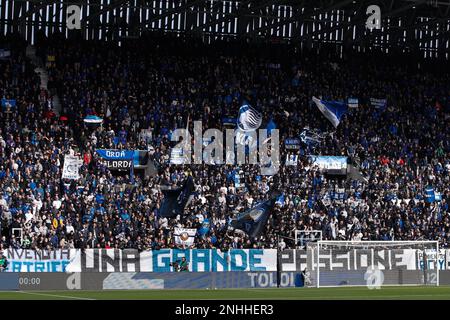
176,200
431,195
254,220
204,229
332,110
11,104
280,199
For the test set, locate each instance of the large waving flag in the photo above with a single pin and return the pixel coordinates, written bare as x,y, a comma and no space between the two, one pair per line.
332,110
249,118
176,200
254,220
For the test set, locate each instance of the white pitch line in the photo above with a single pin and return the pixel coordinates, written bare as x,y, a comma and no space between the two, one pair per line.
54,295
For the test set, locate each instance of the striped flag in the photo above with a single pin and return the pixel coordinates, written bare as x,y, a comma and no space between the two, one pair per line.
332,110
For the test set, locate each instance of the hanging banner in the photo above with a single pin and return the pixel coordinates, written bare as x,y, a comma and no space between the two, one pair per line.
8,105
115,154
292,143
210,260
117,159
353,102
378,103
185,236
72,165
214,260
28,260
330,163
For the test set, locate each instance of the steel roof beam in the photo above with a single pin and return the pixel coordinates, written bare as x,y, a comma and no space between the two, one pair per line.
299,16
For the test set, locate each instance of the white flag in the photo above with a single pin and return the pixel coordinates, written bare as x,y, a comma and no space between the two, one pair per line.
71,166
249,118
185,236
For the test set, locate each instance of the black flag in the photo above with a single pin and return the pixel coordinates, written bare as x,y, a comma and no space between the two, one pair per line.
254,220
176,200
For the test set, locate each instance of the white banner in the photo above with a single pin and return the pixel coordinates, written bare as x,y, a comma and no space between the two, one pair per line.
432,259
329,162
28,260
71,167
353,102
384,259
213,260
185,236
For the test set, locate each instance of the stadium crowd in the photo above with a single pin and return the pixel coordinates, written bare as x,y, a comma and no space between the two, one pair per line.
161,85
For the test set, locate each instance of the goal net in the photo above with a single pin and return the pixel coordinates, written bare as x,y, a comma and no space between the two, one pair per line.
372,263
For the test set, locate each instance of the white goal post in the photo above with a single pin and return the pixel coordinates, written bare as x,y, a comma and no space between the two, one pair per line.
373,263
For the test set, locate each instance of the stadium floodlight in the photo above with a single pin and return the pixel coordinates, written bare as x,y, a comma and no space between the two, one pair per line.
373,263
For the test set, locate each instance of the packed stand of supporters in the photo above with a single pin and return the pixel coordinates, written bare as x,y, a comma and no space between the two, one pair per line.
159,84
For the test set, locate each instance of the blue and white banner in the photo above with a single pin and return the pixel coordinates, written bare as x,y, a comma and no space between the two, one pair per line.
378,103
292,143
119,160
329,162
93,120
184,236
200,260
431,195
8,104
353,102
332,110
210,260
27,260
115,154
291,159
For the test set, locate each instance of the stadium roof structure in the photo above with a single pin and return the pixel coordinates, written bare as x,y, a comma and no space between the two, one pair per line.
422,25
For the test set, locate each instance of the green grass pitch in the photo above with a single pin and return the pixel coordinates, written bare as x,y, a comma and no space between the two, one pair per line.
353,293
